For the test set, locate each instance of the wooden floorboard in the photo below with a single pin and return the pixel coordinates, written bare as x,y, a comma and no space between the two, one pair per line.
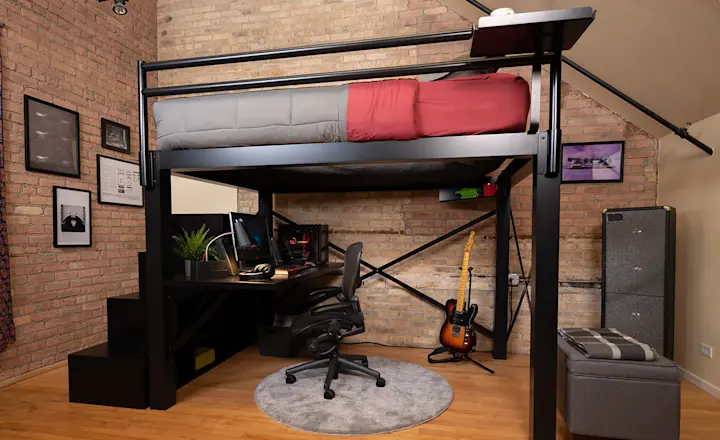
220,405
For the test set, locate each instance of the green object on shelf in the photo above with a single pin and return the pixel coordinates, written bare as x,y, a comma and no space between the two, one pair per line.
468,193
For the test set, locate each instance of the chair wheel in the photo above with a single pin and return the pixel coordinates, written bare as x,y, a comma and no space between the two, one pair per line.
290,378
329,394
380,382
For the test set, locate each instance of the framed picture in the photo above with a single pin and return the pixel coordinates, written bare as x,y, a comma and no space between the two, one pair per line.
119,182
593,162
52,138
115,136
72,219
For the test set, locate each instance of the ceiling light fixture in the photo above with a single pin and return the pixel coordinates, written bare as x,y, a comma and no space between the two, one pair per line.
118,6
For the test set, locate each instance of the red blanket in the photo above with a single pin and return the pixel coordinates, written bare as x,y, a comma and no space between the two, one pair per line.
406,109
382,110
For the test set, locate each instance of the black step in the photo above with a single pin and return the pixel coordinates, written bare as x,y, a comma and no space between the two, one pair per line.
100,378
126,325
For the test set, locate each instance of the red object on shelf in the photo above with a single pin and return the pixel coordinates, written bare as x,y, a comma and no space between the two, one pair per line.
489,189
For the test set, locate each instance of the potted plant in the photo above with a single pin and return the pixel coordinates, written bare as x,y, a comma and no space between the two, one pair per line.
191,247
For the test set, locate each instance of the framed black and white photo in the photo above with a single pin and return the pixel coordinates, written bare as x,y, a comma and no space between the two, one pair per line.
115,136
52,138
72,219
593,162
119,182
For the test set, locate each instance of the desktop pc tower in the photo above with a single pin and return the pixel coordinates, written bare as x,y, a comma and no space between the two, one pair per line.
300,244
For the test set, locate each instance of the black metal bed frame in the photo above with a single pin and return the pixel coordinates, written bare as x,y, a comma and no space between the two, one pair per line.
534,152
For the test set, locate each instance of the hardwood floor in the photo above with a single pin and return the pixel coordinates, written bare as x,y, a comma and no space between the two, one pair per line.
220,405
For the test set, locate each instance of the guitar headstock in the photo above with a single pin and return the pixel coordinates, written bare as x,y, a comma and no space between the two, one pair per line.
470,242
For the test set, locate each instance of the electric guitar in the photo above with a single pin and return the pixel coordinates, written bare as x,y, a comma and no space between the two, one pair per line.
457,334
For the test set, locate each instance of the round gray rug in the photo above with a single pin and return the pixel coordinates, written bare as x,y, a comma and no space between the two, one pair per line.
413,395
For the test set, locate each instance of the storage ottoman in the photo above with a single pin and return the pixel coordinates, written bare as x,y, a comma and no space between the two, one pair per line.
631,400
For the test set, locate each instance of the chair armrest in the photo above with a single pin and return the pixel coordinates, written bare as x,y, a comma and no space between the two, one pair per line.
321,295
339,307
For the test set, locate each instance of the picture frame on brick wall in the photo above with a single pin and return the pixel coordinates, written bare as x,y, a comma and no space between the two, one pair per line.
115,136
118,182
593,162
52,138
72,217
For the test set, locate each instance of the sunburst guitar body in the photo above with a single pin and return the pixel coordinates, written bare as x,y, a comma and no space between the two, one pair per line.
457,334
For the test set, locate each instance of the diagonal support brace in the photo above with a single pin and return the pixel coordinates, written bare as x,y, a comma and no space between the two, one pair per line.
381,270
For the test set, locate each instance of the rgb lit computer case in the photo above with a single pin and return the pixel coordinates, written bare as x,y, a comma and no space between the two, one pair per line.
300,244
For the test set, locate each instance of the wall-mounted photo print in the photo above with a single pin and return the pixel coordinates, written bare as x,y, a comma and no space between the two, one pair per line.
52,138
119,182
593,162
115,136
72,220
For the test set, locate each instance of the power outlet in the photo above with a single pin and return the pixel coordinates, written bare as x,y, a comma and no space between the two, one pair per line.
706,350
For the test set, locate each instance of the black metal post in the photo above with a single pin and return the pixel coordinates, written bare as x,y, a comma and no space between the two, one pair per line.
545,262
502,263
535,98
145,179
265,207
554,161
158,244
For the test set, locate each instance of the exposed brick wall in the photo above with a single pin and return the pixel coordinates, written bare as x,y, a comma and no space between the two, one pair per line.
393,223
81,56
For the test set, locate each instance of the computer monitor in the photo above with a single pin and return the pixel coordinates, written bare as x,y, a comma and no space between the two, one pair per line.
251,237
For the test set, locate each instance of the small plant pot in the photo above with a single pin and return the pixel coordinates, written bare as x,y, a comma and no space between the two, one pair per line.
191,270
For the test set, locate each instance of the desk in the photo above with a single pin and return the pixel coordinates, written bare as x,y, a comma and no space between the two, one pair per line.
225,313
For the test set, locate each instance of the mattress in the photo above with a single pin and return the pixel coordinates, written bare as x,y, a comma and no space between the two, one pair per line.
401,109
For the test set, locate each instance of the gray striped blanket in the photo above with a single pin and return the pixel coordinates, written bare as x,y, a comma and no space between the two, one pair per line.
607,343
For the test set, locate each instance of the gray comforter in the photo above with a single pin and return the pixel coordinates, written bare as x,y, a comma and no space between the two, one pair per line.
269,117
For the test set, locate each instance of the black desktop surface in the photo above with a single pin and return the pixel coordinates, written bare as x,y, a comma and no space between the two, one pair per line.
234,283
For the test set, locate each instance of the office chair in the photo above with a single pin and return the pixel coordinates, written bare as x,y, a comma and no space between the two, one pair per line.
327,325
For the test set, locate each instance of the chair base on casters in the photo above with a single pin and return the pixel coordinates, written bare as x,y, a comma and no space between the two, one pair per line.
335,365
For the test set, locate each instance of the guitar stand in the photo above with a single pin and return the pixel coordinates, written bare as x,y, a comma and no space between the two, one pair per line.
456,357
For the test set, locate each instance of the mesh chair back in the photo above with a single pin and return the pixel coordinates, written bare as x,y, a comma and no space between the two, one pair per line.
351,271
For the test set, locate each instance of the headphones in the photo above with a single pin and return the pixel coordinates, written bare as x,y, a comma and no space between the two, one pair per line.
259,272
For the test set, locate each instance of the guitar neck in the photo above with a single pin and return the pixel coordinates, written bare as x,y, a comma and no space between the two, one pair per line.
463,282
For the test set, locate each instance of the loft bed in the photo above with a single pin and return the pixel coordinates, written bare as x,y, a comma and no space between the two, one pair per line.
529,39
